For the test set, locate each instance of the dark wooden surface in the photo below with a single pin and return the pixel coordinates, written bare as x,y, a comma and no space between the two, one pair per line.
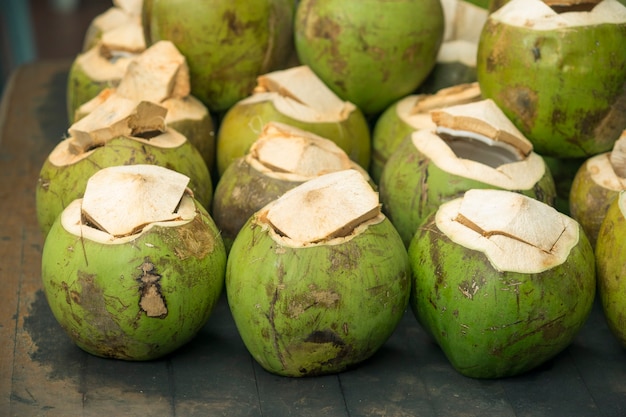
43,374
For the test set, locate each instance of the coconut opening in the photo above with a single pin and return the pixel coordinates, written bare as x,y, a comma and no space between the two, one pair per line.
565,6
515,232
295,154
121,201
322,210
479,148
300,94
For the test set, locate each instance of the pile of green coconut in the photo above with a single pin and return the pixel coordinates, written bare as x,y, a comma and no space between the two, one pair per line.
329,168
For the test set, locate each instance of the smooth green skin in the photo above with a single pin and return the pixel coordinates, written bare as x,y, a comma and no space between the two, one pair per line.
57,186
81,88
227,43
291,330
558,87
240,193
201,133
589,202
369,52
563,171
94,290
411,188
611,268
243,123
514,322
388,133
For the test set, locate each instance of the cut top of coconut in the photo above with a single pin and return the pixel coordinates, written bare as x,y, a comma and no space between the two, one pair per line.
602,172
131,7
482,120
101,66
158,73
464,20
515,232
128,37
543,15
293,154
618,156
300,94
323,210
122,200
118,116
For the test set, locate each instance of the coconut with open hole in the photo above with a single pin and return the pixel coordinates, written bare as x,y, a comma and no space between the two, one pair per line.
297,97
119,132
282,158
557,68
318,279
501,281
474,145
409,114
133,269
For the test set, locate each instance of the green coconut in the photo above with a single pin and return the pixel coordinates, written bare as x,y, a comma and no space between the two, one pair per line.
227,43
365,56
596,184
473,146
559,73
318,280
501,281
160,74
296,97
456,59
409,114
120,132
282,158
611,264
134,269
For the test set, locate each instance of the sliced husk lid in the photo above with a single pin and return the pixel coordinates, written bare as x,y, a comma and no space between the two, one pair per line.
101,66
158,73
483,120
122,200
515,232
322,209
294,154
300,94
550,14
117,116
618,156
131,7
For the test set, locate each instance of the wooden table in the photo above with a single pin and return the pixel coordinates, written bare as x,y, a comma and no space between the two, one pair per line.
43,374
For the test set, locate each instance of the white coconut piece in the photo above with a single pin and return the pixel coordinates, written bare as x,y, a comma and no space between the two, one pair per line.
296,153
323,208
128,37
618,156
485,119
122,200
131,7
515,232
299,93
117,116
102,67
464,20
158,73
537,15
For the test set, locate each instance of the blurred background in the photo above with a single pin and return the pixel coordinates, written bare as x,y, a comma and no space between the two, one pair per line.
43,29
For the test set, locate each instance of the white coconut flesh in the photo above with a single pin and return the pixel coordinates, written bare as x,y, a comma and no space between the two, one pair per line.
329,209
414,110
122,202
141,121
300,94
560,14
608,170
130,7
477,141
464,23
291,154
104,65
515,232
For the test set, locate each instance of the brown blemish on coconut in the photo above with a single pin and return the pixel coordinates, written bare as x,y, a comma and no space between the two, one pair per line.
151,300
523,102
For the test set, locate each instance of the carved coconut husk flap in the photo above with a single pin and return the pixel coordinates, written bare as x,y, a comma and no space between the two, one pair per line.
159,73
122,200
301,94
131,7
128,38
282,148
482,118
517,233
618,156
455,95
323,208
117,116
